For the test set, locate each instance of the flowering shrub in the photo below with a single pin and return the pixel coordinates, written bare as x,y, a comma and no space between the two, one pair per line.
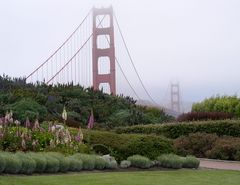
33,137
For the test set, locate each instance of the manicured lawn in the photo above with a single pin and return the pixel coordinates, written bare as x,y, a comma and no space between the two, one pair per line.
179,177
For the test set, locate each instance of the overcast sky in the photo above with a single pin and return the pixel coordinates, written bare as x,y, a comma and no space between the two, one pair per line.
193,42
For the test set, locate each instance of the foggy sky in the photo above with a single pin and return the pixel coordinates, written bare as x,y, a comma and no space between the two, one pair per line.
193,42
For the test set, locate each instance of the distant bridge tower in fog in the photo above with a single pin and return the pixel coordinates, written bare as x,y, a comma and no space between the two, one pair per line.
175,97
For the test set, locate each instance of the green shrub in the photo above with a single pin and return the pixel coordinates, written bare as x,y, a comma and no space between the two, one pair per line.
125,164
170,161
175,130
226,148
100,163
139,161
113,165
88,160
52,164
195,144
2,162
27,107
75,164
228,104
125,145
63,161
28,164
101,149
190,162
40,161
13,163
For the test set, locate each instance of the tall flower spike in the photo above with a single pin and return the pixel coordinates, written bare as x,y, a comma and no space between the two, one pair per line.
36,125
64,114
17,123
27,123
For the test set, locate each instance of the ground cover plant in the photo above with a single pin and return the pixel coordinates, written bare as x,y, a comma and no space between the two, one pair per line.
177,177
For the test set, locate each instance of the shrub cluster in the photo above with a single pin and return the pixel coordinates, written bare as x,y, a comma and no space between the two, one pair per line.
175,130
177,162
121,146
201,116
228,104
139,161
125,164
52,162
208,145
165,161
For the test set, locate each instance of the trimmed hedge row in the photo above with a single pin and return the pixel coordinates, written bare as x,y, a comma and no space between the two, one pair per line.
208,146
122,146
52,162
165,161
175,130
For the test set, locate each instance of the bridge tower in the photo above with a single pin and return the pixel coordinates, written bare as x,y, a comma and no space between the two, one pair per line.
103,54
175,97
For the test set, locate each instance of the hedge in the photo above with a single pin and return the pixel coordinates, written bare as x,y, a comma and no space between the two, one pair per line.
208,146
52,162
175,130
124,145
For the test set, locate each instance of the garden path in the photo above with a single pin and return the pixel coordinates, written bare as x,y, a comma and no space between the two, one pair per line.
219,164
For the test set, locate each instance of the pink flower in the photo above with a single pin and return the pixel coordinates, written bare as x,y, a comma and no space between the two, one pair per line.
27,123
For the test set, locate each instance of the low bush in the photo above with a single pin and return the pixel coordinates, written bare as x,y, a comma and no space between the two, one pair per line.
139,161
125,164
63,161
226,148
52,164
40,161
100,163
204,116
111,163
175,130
28,164
190,162
2,163
125,145
75,164
195,144
13,163
170,161
88,160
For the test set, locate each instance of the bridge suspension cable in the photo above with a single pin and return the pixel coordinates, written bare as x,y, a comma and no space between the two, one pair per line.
131,59
60,47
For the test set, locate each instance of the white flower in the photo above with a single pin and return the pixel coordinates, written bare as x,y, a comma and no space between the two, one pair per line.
64,114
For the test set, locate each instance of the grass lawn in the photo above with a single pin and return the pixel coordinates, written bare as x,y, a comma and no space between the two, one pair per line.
179,177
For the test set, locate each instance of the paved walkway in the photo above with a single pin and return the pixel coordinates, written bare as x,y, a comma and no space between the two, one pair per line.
219,164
